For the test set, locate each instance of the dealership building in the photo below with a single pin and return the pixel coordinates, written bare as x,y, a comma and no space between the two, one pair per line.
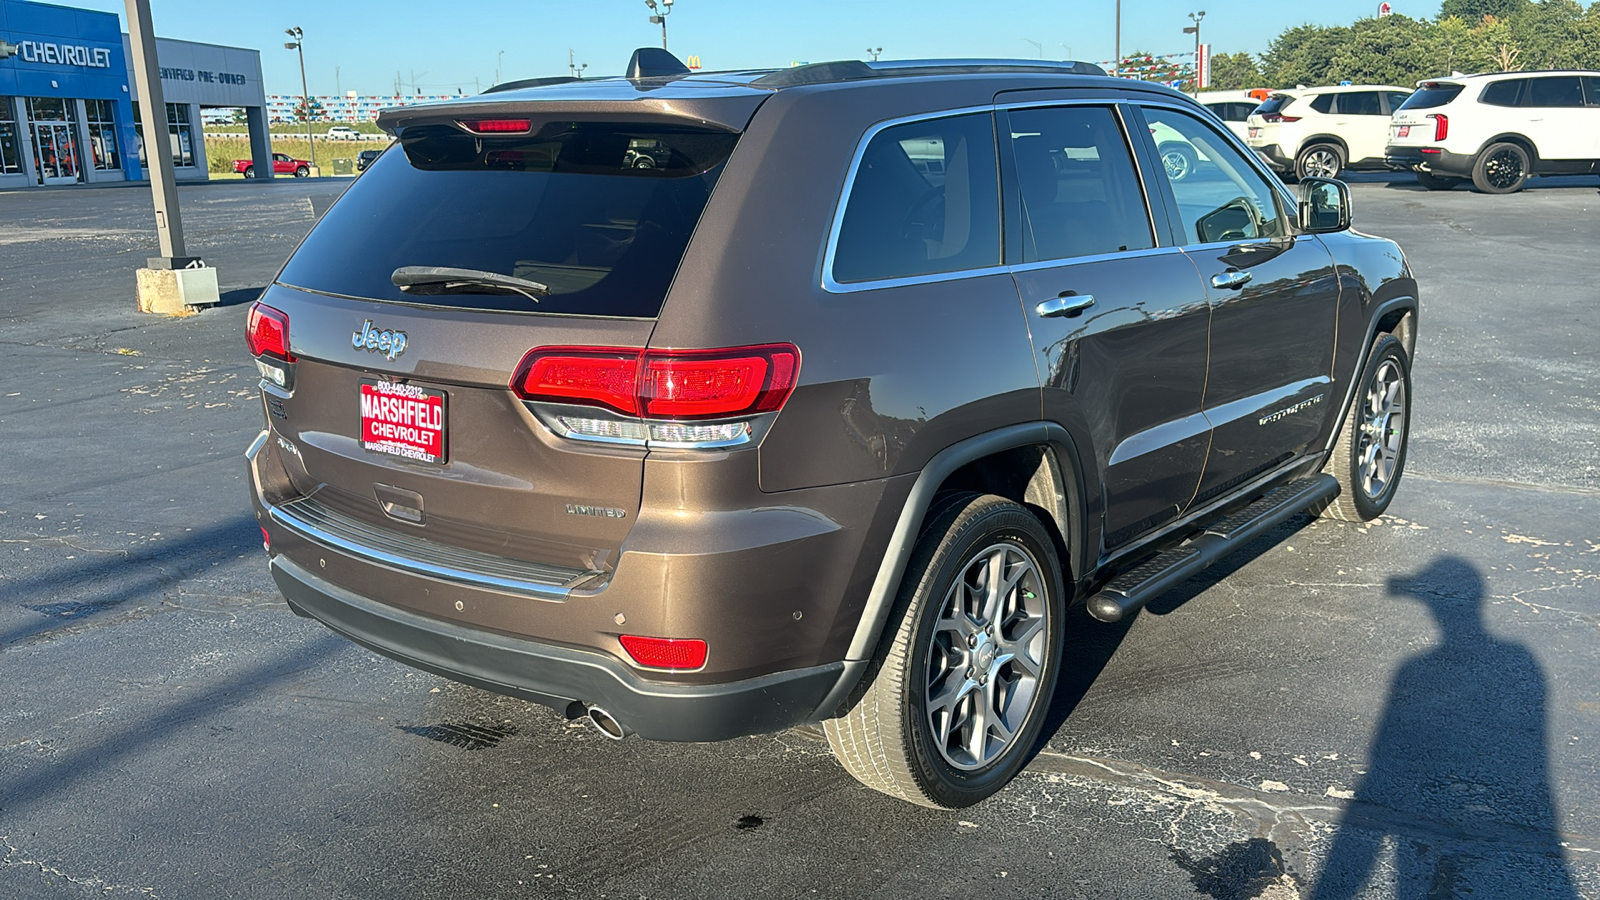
68,112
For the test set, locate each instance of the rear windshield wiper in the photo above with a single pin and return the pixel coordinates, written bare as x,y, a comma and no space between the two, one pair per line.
443,280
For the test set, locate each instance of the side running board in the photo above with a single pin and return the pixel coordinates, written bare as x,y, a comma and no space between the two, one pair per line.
1161,573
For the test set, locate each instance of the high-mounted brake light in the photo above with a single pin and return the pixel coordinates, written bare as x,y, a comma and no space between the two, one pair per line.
1441,126
267,333
662,384
498,126
665,653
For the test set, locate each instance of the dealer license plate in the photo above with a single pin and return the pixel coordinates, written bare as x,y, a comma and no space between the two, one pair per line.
1255,132
403,420
1403,131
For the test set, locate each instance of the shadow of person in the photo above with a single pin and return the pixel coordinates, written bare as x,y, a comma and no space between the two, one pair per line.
1456,775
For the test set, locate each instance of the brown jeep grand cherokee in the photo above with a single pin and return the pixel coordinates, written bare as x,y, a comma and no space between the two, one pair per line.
823,414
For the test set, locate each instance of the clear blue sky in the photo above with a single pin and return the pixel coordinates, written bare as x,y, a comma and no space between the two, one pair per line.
448,45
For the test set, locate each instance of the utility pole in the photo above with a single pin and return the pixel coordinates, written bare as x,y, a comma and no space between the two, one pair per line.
1196,31
1116,64
141,37
305,93
660,17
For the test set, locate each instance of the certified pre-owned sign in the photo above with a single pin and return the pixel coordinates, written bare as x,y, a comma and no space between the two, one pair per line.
64,54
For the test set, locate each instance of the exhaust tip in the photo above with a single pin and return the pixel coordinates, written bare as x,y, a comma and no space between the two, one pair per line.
607,724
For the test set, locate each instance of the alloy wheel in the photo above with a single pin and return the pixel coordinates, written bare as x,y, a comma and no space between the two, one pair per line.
1176,164
986,656
1382,429
1504,168
1321,163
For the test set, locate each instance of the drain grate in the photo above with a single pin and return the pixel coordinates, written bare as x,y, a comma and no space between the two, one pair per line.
465,735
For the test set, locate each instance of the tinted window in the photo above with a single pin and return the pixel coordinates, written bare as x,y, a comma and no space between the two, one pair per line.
1274,104
926,199
1396,99
1560,91
1432,96
1360,103
1232,112
1591,84
1221,198
1076,183
1322,103
1503,93
569,206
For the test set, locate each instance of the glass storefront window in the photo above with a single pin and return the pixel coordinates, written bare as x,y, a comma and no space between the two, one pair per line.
10,140
103,133
177,125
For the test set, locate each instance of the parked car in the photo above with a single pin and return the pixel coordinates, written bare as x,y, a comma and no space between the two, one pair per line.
365,158
343,133
1234,107
1498,130
789,427
282,164
1322,131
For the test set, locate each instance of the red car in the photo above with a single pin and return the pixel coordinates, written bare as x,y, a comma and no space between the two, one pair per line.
282,164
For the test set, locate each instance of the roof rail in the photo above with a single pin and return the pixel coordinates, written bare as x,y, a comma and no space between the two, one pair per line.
531,83
817,73
1063,66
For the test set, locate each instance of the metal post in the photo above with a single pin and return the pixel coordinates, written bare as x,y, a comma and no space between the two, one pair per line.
1116,64
305,93
157,137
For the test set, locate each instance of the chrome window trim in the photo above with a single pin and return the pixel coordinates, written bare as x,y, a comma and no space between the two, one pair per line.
1093,258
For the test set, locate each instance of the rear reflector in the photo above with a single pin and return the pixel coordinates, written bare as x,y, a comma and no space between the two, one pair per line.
498,126
1441,126
665,653
662,384
266,541
1431,150
267,333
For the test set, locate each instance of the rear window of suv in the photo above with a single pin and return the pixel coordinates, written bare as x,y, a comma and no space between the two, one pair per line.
1433,96
1274,104
600,213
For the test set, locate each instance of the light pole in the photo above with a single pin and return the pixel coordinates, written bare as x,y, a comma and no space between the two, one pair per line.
874,52
498,59
575,67
1116,64
1037,46
659,17
1195,30
305,94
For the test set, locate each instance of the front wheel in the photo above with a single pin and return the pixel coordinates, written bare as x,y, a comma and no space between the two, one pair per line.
1371,453
1319,161
301,172
951,707
1437,182
1501,169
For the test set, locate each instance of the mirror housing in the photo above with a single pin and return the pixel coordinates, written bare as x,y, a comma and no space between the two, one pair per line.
1324,205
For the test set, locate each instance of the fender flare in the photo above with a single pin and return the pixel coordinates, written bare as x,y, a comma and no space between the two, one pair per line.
886,585
1410,306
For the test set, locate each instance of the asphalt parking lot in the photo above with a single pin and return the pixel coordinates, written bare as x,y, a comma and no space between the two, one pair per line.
1405,708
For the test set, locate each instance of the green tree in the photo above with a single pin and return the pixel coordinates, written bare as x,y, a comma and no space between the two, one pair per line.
1473,11
1302,55
1380,51
1234,72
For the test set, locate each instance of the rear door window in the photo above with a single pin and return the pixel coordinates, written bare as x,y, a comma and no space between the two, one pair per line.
1323,103
598,213
1432,96
925,200
1555,92
1504,93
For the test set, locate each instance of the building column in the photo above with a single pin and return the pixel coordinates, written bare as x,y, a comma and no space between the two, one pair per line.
255,118
19,110
80,130
197,132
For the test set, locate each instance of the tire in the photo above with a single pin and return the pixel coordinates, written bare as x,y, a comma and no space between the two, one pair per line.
1179,161
1437,182
953,648
1501,169
1319,161
301,172
1370,456
249,171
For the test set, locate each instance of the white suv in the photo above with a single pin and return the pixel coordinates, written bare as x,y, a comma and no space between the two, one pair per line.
343,133
1321,131
1498,129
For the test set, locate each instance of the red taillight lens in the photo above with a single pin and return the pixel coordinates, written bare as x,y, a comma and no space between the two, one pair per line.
1278,117
498,126
1441,126
267,333
665,653
663,384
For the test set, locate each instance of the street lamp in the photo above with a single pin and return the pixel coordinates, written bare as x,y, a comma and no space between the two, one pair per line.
1195,30
874,52
1037,46
660,17
305,94
1116,63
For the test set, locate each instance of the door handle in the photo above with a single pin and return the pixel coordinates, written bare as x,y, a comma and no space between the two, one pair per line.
1068,305
1231,280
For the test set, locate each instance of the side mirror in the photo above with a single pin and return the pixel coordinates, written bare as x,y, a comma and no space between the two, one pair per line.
1324,205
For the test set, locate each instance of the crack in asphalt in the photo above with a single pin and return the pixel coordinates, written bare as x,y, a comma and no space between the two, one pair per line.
14,859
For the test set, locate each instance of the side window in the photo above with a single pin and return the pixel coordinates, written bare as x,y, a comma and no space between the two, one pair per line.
1221,198
1077,187
1503,93
926,200
1323,103
1360,103
1591,85
1395,98
1555,92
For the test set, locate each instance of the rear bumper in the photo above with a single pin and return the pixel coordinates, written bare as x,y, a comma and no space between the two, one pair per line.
1412,159
560,677
1273,155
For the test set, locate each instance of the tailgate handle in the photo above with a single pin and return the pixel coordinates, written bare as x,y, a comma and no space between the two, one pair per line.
399,503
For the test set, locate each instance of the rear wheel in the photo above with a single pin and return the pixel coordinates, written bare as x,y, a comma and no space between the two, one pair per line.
249,171
1437,182
952,705
1319,161
1501,169
1371,453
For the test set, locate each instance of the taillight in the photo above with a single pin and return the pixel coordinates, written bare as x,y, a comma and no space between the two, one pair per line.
665,653
498,126
267,333
662,384
1441,126
1276,118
